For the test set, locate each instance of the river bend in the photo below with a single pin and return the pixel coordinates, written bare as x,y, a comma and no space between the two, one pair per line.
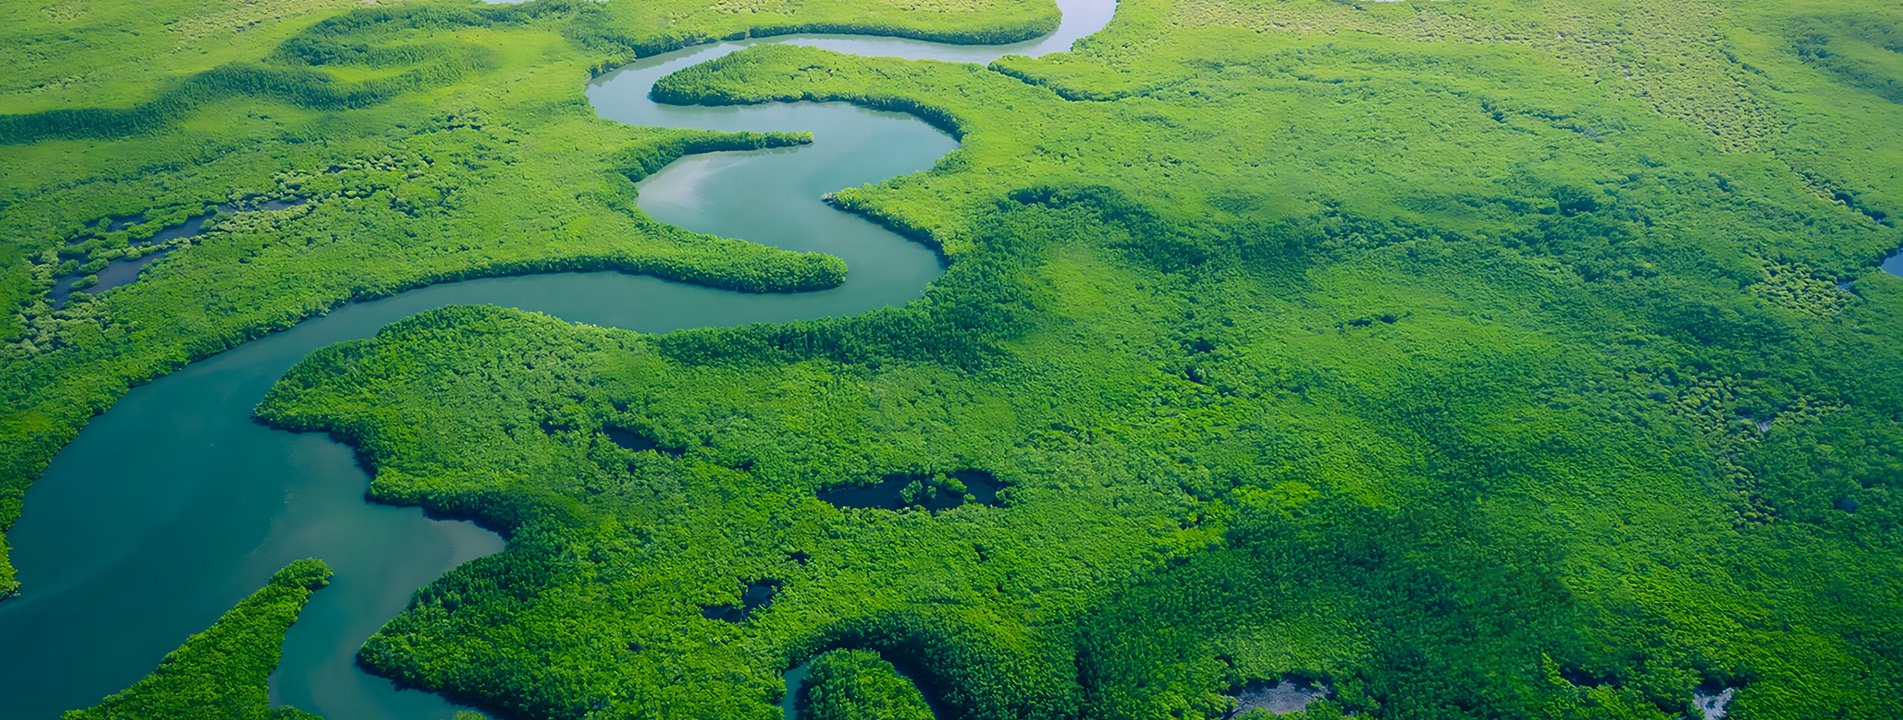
175,504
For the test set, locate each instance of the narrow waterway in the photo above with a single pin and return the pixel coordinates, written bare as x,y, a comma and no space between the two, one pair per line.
175,504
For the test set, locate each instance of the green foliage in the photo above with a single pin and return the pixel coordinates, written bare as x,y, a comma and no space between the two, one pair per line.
1864,51
1459,443
424,66
224,672
628,29
858,685
434,141
303,88
8,585
1480,359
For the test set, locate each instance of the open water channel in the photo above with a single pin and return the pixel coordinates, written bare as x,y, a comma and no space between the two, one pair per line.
175,504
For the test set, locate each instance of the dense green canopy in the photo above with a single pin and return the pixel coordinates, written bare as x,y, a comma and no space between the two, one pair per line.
858,685
1487,358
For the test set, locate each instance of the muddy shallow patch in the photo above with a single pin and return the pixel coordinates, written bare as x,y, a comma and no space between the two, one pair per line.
1280,698
1713,704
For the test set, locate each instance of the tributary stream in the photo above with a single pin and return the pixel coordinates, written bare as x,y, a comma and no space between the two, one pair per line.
175,504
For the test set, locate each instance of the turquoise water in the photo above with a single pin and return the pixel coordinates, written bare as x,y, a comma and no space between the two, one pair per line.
175,504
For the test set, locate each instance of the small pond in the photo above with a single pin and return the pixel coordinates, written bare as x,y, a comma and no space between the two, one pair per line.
125,271
638,441
930,491
758,595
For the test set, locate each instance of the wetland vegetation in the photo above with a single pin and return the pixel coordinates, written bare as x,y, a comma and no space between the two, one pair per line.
223,673
852,684
1474,359
928,491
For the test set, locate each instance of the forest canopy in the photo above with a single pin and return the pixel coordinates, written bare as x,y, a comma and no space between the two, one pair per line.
1468,359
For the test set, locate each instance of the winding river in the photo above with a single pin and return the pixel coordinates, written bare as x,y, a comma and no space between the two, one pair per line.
175,504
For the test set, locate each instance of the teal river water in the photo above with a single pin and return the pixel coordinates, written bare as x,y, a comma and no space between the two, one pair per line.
175,504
